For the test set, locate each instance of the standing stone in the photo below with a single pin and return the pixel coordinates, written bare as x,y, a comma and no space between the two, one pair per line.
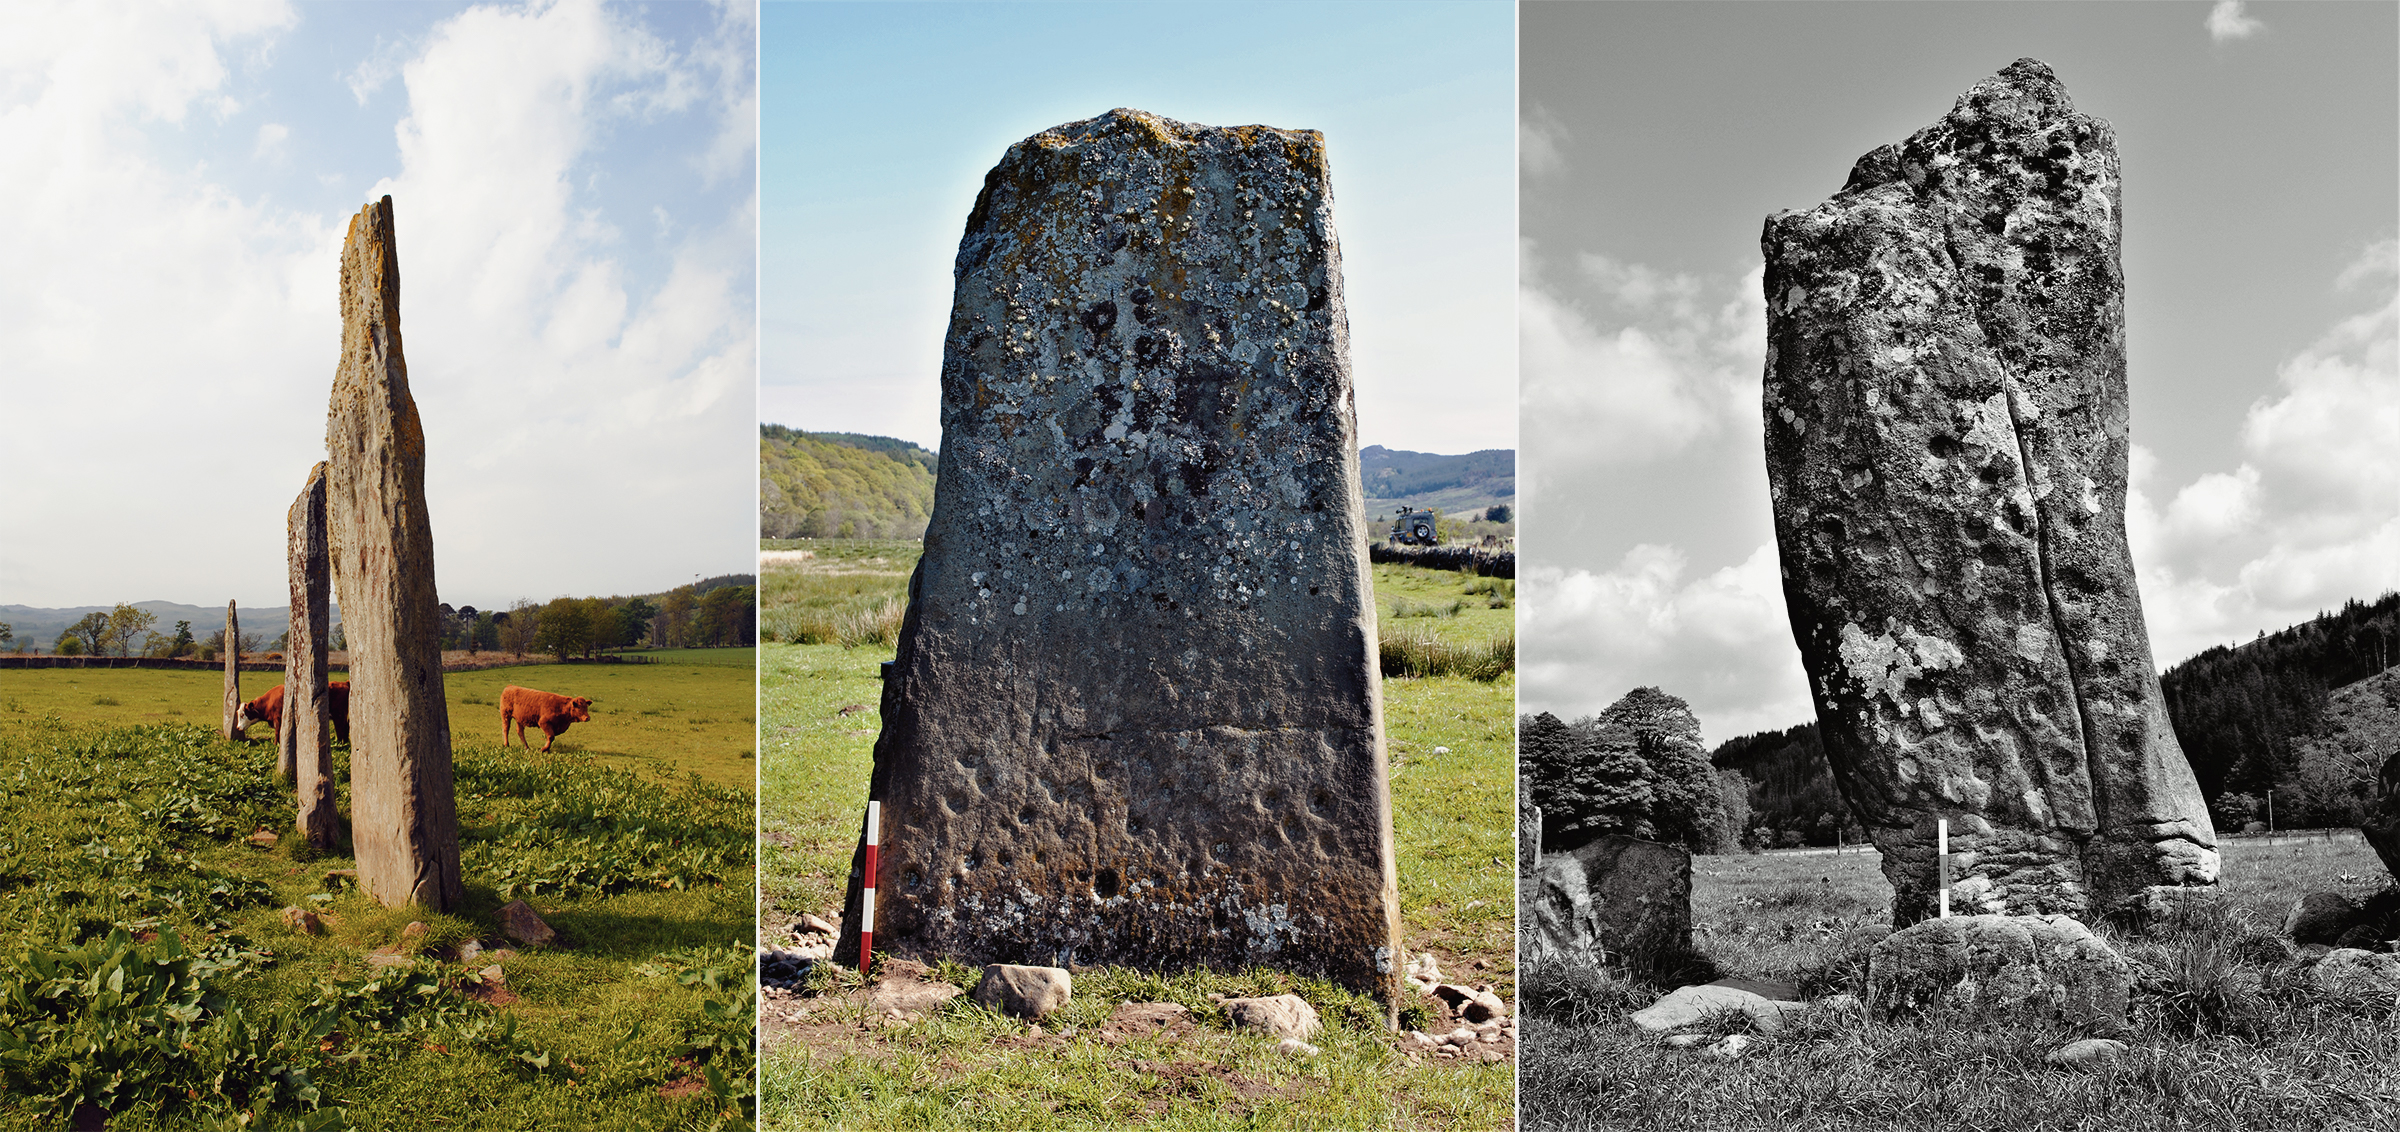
307,752
1946,445
1620,898
404,819
1136,715
233,674
2382,824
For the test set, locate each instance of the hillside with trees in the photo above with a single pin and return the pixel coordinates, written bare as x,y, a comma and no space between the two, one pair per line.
1453,485
842,485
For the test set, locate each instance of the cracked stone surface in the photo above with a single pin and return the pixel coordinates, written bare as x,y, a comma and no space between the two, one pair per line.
1135,716
1946,445
404,814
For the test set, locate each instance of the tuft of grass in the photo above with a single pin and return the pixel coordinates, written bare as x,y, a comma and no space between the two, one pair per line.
1414,654
1406,608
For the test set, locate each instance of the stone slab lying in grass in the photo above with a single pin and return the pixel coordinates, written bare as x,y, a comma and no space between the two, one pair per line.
1997,968
1024,992
1687,1006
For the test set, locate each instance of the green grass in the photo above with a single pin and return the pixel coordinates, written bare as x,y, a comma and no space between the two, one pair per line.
2224,1033
116,833
689,711
965,1067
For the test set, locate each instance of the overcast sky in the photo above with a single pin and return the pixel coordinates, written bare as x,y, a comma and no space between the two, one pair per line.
2260,155
881,120
575,198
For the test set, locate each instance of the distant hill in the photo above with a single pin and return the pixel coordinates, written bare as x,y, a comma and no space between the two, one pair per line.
42,626
842,485
1452,485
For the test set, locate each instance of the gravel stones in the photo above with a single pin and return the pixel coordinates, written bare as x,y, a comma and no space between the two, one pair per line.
1134,716
1024,992
1624,897
1998,968
404,814
1946,447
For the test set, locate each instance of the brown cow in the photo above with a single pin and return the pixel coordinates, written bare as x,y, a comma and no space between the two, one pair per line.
548,710
268,709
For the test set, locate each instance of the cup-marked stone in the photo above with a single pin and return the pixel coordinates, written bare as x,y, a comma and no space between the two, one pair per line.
1946,445
1136,715
404,817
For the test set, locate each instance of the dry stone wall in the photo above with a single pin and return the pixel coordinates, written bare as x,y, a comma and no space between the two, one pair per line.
1135,715
1946,443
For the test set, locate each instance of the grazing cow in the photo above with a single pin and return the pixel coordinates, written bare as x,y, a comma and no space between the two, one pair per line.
268,709
548,710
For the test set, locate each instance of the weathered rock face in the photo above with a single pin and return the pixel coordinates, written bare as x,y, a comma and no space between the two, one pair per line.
307,753
1136,715
404,818
1998,969
1628,898
1946,444
232,643
2382,826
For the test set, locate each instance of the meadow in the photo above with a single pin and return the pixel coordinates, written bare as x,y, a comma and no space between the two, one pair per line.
150,977
2225,1031
827,1061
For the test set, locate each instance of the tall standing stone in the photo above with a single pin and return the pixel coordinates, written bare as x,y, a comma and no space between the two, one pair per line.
404,818
307,752
1136,716
1946,444
233,674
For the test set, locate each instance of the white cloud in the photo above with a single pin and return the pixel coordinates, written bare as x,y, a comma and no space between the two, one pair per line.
2226,21
1541,142
271,136
587,413
1721,642
2311,516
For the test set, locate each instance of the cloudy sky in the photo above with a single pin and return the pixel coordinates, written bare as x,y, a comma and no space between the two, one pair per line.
2260,164
575,194
881,120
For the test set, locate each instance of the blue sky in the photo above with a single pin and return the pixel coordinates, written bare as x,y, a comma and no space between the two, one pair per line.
2261,162
575,193
880,121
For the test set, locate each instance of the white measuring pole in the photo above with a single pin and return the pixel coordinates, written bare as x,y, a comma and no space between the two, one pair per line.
866,911
1941,852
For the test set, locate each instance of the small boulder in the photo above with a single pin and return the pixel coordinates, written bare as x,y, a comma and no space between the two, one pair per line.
303,921
263,839
1297,1048
2353,973
2320,917
2364,937
519,922
2090,1053
1994,967
1470,1003
811,923
1139,1016
1284,1015
1024,992
412,937
1686,1006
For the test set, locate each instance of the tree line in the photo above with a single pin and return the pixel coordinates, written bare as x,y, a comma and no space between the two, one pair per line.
842,485
1636,769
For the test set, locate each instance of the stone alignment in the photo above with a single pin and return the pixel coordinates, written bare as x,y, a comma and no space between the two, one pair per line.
1136,715
306,750
1946,444
404,818
232,650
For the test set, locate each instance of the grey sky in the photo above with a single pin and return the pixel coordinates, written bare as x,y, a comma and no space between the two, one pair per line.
2260,206
881,120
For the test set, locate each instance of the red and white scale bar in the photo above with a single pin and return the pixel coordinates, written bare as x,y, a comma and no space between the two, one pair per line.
866,912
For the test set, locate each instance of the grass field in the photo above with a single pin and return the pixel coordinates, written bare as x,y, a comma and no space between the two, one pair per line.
689,711
125,847
2225,1032
965,1067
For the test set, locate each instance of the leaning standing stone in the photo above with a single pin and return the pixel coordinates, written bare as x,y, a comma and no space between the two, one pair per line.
307,752
1136,716
404,820
233,675
1946,445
